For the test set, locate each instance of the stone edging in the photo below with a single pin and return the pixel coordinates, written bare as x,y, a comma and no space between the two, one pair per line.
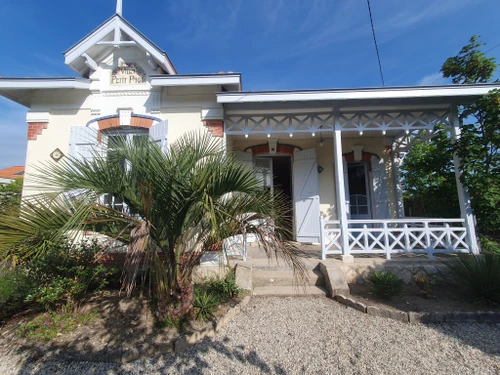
422,317
184,341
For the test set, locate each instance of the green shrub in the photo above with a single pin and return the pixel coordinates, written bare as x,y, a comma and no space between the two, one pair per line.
424,284
204,304
489,245
223,289
385,284
65,274
14,287
48,325
478,275
208,295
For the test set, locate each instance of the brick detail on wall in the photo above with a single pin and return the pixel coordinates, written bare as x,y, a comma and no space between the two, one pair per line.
216,127
114,122
35,129
366,157
141,122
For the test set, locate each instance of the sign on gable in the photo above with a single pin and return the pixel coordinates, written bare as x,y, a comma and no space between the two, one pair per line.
128,74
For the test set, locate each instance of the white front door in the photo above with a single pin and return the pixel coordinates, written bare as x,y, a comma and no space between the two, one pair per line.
306,196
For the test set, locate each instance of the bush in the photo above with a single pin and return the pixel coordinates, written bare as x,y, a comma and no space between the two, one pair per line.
65,274
14,287
385,284
223,289
479,275
424,285
209,295
489,245
204,304
47,326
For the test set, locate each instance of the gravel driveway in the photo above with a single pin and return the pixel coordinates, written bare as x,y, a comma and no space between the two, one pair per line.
312,336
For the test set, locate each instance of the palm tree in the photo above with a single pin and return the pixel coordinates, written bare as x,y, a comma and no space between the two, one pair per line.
179,205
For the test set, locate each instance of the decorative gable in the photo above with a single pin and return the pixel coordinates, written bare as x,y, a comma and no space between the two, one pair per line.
86,55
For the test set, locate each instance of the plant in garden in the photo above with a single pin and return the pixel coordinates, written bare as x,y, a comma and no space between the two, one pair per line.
180,204
488,245
11,194
478,148
223,289
428,176
47,326
208,295
15,285
478,275
385,284
205,304
424,284
66,273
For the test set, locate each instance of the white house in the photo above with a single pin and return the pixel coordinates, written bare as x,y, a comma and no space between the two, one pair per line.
334,152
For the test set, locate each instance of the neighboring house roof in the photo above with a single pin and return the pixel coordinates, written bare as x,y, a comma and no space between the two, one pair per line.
12,172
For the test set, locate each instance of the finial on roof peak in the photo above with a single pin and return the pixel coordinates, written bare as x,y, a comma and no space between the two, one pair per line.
119,7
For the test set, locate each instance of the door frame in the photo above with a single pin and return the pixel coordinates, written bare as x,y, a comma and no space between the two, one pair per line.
368,189
290,156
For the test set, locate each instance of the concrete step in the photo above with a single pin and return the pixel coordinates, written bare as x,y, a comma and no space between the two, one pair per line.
284,277
266,263
289,291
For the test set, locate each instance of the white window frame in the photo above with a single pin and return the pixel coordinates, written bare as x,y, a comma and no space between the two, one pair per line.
129,135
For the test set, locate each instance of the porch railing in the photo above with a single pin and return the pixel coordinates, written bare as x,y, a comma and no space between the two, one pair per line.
395,236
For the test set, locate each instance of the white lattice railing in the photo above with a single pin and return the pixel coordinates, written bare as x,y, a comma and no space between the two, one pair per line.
330,238
349,121
428,236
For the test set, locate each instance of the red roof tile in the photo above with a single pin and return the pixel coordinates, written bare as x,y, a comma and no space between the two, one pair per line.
12,172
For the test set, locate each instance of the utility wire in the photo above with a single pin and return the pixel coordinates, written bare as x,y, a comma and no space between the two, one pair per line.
498,45
491,49
375,41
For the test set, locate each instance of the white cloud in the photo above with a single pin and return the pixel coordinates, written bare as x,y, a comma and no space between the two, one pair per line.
407,14
431,79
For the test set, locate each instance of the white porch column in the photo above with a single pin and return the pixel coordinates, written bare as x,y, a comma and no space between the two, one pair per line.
339,185
463,195
396,163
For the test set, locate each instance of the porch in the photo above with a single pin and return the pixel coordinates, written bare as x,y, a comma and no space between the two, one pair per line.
345,157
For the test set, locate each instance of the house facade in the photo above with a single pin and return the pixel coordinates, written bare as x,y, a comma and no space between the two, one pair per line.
335,153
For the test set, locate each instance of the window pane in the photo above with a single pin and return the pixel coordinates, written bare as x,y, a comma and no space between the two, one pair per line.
357,178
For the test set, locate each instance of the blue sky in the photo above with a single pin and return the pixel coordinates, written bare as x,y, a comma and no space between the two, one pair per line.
275,44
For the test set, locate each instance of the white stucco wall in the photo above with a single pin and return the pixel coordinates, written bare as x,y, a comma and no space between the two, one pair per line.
55,136
181,106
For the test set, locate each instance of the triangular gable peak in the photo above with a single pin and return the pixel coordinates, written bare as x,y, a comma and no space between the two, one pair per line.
86,55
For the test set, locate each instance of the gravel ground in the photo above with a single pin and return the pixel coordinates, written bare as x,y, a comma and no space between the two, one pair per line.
311,336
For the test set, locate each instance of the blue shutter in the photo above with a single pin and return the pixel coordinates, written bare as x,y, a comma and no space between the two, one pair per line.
380,192
159,134
82,142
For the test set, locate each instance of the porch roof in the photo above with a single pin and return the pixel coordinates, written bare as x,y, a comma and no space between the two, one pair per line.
456,94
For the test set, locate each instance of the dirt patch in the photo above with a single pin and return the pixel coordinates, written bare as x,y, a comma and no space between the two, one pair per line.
123,326
446,298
